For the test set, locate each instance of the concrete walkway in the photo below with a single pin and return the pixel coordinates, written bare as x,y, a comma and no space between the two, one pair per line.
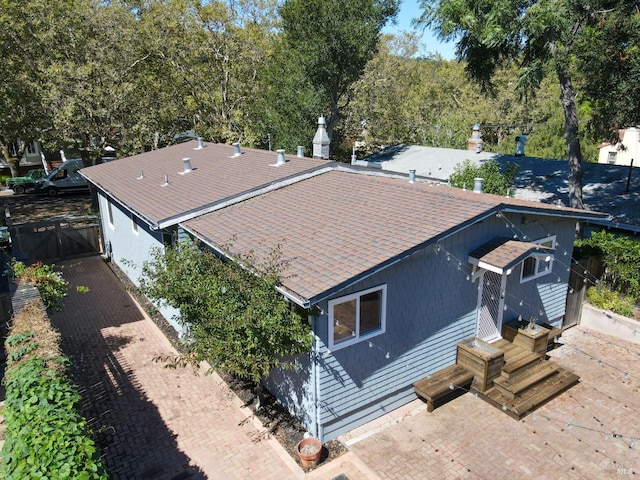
156,423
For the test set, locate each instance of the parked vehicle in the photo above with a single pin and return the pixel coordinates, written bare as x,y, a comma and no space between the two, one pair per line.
65,178
22,184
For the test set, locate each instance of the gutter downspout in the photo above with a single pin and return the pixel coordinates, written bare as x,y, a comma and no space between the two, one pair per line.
315,378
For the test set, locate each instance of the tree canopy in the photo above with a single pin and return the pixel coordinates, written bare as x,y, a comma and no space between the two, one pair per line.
333,41
540,36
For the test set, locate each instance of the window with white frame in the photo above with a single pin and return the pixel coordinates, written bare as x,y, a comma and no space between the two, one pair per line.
110,215
536,266
613,156
356,317
134,223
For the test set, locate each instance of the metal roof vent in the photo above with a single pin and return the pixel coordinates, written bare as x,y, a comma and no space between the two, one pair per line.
412,176
186,162
200,144
300,151
281,160
321,141
141,175
477,185
166,180
236,149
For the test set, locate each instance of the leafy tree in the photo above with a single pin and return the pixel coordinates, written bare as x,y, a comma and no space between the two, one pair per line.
495,181
540,35
608,56
236,319
333,42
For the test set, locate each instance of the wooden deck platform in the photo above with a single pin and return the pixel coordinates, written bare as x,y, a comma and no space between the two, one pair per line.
527,380
437,386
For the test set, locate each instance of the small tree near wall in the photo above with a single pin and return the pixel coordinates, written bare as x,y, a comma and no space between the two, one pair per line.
235,318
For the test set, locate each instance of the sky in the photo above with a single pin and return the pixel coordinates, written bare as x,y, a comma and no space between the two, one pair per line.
410,9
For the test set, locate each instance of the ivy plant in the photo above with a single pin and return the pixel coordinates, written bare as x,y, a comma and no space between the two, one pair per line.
235,317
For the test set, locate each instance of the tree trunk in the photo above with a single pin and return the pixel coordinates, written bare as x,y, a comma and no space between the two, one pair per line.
568,97
11,161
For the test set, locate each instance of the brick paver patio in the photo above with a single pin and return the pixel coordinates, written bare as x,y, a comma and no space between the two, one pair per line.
155,423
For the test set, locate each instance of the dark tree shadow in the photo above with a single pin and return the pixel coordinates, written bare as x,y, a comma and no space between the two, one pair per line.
133,439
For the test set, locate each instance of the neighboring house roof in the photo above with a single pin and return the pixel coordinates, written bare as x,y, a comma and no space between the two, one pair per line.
339,227
539,179
217,176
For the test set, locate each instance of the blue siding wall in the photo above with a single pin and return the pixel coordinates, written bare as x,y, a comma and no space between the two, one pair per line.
431,306
544,298
130,249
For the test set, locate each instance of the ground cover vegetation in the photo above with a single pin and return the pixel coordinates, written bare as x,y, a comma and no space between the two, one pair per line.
46,437
137,75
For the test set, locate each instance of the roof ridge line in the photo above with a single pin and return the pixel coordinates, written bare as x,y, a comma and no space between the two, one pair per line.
246,195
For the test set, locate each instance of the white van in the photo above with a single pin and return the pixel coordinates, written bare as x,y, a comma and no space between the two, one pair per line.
65,178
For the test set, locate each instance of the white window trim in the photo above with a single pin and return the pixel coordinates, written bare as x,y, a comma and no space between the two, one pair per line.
546,271
134,224
359,338
110,215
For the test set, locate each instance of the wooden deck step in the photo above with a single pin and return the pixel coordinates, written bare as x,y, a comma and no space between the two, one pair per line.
534,397
437,386
526,378
515,365
545,391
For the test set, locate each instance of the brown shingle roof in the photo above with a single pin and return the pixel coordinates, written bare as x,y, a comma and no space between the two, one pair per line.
501,254
340,225
216,176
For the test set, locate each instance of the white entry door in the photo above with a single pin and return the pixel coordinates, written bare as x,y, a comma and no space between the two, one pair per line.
490,305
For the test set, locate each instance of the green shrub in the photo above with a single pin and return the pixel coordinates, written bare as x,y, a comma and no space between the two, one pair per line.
495,181
620,257
3,180
46,437
602,297
49,283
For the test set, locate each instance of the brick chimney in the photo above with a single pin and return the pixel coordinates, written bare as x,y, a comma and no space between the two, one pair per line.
321,141
474,143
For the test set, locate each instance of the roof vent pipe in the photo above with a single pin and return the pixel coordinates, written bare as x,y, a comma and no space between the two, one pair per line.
200,144
300,151
186,162
477,185
166,180
236,149
281,160
412,176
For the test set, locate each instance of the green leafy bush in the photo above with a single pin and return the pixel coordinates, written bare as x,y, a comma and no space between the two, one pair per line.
46,437
604,298
495,181
49,283
620,257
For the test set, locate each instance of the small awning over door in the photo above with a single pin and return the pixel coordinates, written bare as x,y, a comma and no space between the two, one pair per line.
501,254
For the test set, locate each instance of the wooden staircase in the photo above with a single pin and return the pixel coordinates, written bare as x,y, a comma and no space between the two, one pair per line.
525,381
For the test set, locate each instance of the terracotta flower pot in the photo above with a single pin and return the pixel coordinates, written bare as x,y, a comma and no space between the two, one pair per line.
309,451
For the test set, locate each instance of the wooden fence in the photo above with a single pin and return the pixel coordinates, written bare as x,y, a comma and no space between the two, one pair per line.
55,240
578,287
